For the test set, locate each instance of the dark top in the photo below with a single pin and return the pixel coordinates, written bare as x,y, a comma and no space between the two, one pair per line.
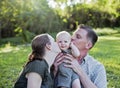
40,67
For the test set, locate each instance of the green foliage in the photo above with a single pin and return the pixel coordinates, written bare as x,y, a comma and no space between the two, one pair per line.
37,17
12,40
97,13
32,15
94,16
24,34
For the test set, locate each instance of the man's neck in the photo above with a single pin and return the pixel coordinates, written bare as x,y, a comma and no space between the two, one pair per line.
82,55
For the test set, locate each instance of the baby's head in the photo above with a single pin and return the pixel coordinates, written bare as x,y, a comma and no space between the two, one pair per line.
63,39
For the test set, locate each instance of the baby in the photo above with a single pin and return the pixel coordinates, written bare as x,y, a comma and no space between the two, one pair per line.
66,77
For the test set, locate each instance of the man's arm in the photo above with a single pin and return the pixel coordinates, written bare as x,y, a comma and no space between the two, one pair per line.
85,80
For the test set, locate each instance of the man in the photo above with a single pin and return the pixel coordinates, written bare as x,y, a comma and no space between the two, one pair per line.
91,73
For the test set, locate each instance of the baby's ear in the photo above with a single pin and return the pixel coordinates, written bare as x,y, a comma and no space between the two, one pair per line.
48,46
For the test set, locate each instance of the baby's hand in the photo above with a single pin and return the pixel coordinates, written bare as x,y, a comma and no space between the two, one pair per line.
71,44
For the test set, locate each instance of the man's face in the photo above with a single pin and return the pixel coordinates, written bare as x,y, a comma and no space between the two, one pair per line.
79,38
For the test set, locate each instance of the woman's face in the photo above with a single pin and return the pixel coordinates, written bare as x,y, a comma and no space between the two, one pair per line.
54,46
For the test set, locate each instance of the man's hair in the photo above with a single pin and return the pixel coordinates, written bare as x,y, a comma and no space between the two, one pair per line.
91,35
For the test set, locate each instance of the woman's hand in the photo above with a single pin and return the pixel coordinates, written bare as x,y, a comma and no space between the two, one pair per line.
58,60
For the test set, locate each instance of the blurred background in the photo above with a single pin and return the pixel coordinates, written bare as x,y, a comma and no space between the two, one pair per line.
23,19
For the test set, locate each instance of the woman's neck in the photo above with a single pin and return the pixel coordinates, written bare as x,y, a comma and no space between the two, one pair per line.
50,57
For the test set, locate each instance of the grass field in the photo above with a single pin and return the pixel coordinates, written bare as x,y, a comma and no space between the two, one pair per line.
106,51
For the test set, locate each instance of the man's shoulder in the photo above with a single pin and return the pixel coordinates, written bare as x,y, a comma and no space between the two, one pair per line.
93,65
92,62
91,59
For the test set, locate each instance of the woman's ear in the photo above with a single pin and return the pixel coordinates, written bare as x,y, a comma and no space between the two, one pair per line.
48,46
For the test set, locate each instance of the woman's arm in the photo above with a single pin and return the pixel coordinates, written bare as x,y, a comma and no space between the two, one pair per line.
34,80
57,62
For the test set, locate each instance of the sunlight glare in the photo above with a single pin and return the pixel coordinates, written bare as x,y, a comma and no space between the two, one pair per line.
8,48
52,3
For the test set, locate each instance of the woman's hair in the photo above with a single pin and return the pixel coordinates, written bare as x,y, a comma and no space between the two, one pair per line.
38,47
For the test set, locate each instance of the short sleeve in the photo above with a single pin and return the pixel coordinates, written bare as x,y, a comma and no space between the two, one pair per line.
36,66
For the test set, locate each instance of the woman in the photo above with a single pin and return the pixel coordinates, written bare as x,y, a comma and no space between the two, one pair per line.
36,72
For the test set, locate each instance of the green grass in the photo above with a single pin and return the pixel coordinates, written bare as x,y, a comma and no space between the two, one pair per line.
107,31
11,61
106,51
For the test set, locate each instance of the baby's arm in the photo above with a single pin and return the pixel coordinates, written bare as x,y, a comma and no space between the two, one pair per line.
74,50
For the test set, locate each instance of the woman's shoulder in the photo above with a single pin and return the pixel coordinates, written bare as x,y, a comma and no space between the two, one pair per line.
38,66
37,63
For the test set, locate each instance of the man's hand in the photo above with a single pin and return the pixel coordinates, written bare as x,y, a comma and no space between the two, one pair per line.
71,62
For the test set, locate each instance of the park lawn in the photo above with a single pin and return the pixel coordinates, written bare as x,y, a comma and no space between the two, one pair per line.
106,51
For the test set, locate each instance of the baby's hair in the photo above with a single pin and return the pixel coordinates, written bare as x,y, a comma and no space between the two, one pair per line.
62,33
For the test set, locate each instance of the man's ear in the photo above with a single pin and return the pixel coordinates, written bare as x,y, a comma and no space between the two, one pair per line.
48,46
89,45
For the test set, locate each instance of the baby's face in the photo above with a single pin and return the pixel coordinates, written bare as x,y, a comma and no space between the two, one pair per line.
63,42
